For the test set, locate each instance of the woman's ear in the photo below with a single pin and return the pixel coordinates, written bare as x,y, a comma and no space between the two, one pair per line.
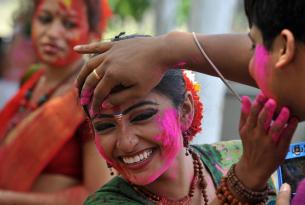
285,48
187,111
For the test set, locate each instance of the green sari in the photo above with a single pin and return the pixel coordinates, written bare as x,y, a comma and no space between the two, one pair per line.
218,158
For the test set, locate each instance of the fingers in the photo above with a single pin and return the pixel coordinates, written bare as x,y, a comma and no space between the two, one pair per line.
87,69
245,110
265,116
255,110
287,133
96,47
101,91
283,197
279,124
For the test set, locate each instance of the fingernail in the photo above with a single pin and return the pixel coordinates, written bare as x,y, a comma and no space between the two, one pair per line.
84,101
244,107
106,105
284,187
77,47
86,93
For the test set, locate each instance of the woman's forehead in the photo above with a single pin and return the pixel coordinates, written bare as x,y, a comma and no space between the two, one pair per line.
64,7
152,99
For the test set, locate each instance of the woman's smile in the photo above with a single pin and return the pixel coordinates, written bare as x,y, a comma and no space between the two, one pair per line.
138,161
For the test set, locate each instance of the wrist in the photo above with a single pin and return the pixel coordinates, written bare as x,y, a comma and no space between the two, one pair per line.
252,179
177,48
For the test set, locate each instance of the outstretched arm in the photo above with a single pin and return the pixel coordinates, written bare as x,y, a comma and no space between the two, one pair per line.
139,64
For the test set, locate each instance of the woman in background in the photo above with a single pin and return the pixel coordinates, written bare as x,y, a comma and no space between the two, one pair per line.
47,156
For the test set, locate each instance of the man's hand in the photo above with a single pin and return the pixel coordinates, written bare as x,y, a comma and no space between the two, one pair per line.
132,66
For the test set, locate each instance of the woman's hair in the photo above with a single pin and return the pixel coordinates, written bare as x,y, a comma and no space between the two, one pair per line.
272,16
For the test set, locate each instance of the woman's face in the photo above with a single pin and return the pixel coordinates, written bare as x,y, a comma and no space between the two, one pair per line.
145,142
57,26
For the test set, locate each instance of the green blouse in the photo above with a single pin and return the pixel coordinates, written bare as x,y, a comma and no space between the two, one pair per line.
218,158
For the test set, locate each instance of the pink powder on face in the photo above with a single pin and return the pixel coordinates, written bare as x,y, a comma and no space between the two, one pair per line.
170,139
260,67
101,149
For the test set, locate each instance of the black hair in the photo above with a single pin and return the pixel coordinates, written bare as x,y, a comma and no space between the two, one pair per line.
172,85
272,16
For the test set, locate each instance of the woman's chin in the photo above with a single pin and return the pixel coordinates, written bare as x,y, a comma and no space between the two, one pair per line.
142,180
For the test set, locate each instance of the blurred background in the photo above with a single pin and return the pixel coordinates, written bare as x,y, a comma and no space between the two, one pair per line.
154,17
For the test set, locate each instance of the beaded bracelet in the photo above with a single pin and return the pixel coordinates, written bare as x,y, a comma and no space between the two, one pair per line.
231,187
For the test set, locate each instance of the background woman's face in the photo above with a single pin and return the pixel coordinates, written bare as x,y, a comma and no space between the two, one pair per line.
145,142
57,26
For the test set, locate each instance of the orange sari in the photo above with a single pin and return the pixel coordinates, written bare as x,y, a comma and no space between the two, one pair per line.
29,147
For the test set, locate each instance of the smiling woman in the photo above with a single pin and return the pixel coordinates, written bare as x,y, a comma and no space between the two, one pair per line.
147,140
46,153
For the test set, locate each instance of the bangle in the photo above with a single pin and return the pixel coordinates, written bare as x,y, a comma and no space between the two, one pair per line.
232,191
205,55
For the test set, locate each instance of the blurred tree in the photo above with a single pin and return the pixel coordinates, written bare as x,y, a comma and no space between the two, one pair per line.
130,8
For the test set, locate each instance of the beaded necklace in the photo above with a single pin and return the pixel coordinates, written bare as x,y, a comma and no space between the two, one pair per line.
186,200
26,107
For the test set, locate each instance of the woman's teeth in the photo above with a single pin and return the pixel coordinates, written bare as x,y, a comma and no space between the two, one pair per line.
138,158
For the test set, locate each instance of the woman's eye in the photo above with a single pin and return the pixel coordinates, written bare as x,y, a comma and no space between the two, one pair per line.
102,127
68,24
144,116
45,19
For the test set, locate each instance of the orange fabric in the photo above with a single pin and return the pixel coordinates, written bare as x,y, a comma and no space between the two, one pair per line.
36,139
69,160
106,14
11,108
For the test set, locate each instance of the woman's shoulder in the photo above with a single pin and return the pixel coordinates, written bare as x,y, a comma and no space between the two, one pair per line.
117,191
222,151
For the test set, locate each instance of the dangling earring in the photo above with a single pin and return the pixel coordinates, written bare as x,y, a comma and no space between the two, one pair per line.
186,142
110,169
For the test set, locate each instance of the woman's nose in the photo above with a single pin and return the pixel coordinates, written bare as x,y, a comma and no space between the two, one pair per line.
56,29
127,140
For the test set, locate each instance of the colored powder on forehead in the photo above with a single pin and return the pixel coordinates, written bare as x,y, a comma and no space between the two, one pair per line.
67,3
261,58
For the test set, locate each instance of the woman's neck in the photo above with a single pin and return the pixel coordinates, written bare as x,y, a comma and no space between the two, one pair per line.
175,182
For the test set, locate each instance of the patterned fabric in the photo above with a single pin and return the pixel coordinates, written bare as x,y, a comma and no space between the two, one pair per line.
217,157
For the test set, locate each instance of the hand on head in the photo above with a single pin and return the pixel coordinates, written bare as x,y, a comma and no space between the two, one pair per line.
120,64
265,142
